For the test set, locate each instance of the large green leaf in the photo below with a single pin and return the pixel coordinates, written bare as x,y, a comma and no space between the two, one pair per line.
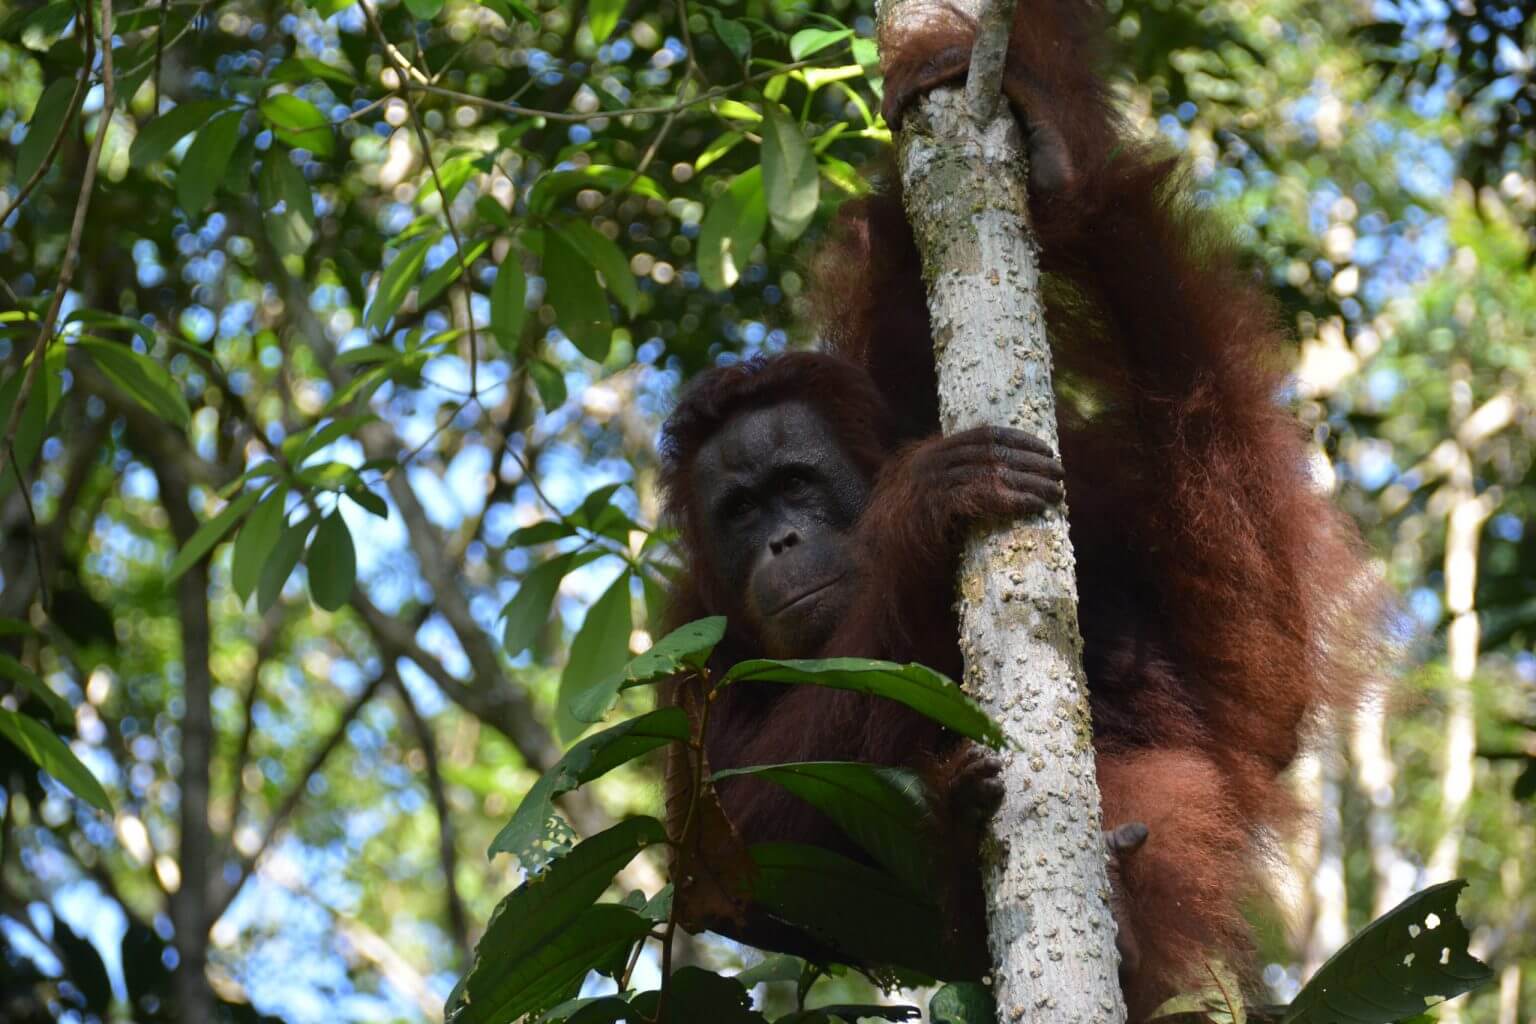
538,912
206,160
553,186
396,280
332,563
962,1002
885,810
211,532
287,210
687,647
813,40
509,297
280,565
253,545
528,610
599,649
603,18
790,179
1409,958
28,680
919,688
299,123
551,971
581,306
605,257
53,756
731,230
145,380
157,138
860,911
536,834
50,117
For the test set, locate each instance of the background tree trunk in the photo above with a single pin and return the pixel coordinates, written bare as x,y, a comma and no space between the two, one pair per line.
1051,931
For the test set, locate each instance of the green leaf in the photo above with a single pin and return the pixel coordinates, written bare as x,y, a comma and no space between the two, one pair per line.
1218,1000
779,967
210,533
102,320
143,379
919,688
790,180
33,424
736,36
53,756
553,186
599,649
962,1002
581,308
492,213
550,383
603,256
538,912
541,532
698,995
307,69
253,545
15,627
52,115
285,556
157,138
299,123
206,160
426,10
298,447
551,971
717,148
509,302
450,271
528,610
396,280
813,40
536,834
332,563
1411,957
860,911
510,9
685,648
368,501
28,680
884,810
453,174
603,18
731,230
287,210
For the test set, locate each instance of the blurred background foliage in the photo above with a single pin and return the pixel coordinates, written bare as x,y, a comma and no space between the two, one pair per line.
395,295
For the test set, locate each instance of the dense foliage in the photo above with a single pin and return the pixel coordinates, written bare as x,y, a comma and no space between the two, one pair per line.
333,341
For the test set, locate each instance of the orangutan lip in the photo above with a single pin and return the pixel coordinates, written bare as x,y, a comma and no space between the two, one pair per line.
787,605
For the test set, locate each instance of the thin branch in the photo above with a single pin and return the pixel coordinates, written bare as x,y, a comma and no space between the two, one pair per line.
54,146
403,76
708,95
37,547
295,794
458,919
76,231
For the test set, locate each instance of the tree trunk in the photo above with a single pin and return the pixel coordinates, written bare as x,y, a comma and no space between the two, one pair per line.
1051,932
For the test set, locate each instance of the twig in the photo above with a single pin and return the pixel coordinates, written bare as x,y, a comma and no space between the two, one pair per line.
76,231
403,76
53,147
37,547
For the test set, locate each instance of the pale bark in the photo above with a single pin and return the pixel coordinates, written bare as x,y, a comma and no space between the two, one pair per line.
1051,931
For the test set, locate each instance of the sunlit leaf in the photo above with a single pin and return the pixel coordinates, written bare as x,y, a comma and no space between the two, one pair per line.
450,271
396,280
809,41
528,610
581,307
306,69
159,136
53,756
603,18
553,186
51,116
599,649
684,649
299,123
286,207
731,230
791,182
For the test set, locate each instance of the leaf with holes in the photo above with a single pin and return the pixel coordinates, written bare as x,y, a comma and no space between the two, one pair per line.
1411,957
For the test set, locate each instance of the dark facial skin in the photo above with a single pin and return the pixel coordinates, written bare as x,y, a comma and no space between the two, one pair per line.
780,499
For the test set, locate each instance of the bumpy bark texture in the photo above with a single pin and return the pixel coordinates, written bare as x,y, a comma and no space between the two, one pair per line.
1051,931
